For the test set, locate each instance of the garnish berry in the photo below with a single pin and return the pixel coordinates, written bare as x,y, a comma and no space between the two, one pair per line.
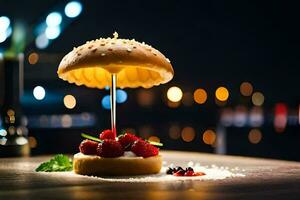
110,149
107,134
144,149
127,140
88,147
181,172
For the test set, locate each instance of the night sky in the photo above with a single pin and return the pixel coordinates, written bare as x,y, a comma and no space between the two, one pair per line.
208,42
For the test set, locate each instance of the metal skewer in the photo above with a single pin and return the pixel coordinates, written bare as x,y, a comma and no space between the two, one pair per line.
113,103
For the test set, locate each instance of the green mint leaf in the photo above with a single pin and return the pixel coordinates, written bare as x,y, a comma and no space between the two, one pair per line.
90,137
58,163
156,143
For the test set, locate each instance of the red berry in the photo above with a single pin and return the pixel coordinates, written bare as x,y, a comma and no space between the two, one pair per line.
107,134
110,149
88,147
180,173
127,140
189,173
144,149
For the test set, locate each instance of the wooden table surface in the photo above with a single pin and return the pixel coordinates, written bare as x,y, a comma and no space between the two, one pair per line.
265,179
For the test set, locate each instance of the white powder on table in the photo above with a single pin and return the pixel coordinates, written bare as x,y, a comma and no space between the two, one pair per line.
212,173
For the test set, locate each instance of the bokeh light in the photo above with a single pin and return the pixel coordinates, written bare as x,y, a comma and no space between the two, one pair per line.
154,139
66,121
174,94
256,116
188,134
41,41
145,98
255,136
54,19
240,116
258,99
209,137
174,132
32,142
4,23
39,92
69,101
106,102
33,58
200,96
52,32
222,94
246,89
3,132
281,117
121,96
73,9
173,104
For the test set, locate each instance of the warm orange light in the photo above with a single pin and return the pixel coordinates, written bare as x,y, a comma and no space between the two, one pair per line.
10,112
209,137
70,101
174,132
222,94
66,121
258,98
145,97
33,58
200,96
173,104
246,89
174,94
154,139
188,134
255,136
32,142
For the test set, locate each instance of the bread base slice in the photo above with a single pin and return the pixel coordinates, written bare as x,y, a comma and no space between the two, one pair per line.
121,166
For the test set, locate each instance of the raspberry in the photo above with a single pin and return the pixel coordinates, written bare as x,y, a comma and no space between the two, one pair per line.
107,134
144,149
189,173
110,149
88,147
181,172
127,140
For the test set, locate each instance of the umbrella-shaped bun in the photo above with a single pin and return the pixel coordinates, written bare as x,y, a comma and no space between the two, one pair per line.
136,64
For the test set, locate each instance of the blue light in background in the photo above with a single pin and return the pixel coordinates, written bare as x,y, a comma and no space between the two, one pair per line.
41,41
54,19
106,102
106,88
121,96
39,93
52,32
5,28
73,9
4,23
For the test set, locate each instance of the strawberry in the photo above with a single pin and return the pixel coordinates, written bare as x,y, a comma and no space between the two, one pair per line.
88,147
144,149
127,140
110,149
107,134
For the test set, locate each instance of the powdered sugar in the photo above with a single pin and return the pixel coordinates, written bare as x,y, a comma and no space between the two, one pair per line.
212,173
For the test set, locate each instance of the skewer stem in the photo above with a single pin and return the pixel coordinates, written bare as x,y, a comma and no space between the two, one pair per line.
113,114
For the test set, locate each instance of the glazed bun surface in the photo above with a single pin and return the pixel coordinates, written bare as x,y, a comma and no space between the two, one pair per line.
136,64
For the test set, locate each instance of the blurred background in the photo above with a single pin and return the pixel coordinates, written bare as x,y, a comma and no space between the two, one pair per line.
235,89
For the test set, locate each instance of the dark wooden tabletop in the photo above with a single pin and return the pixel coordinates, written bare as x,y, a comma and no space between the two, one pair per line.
265,179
